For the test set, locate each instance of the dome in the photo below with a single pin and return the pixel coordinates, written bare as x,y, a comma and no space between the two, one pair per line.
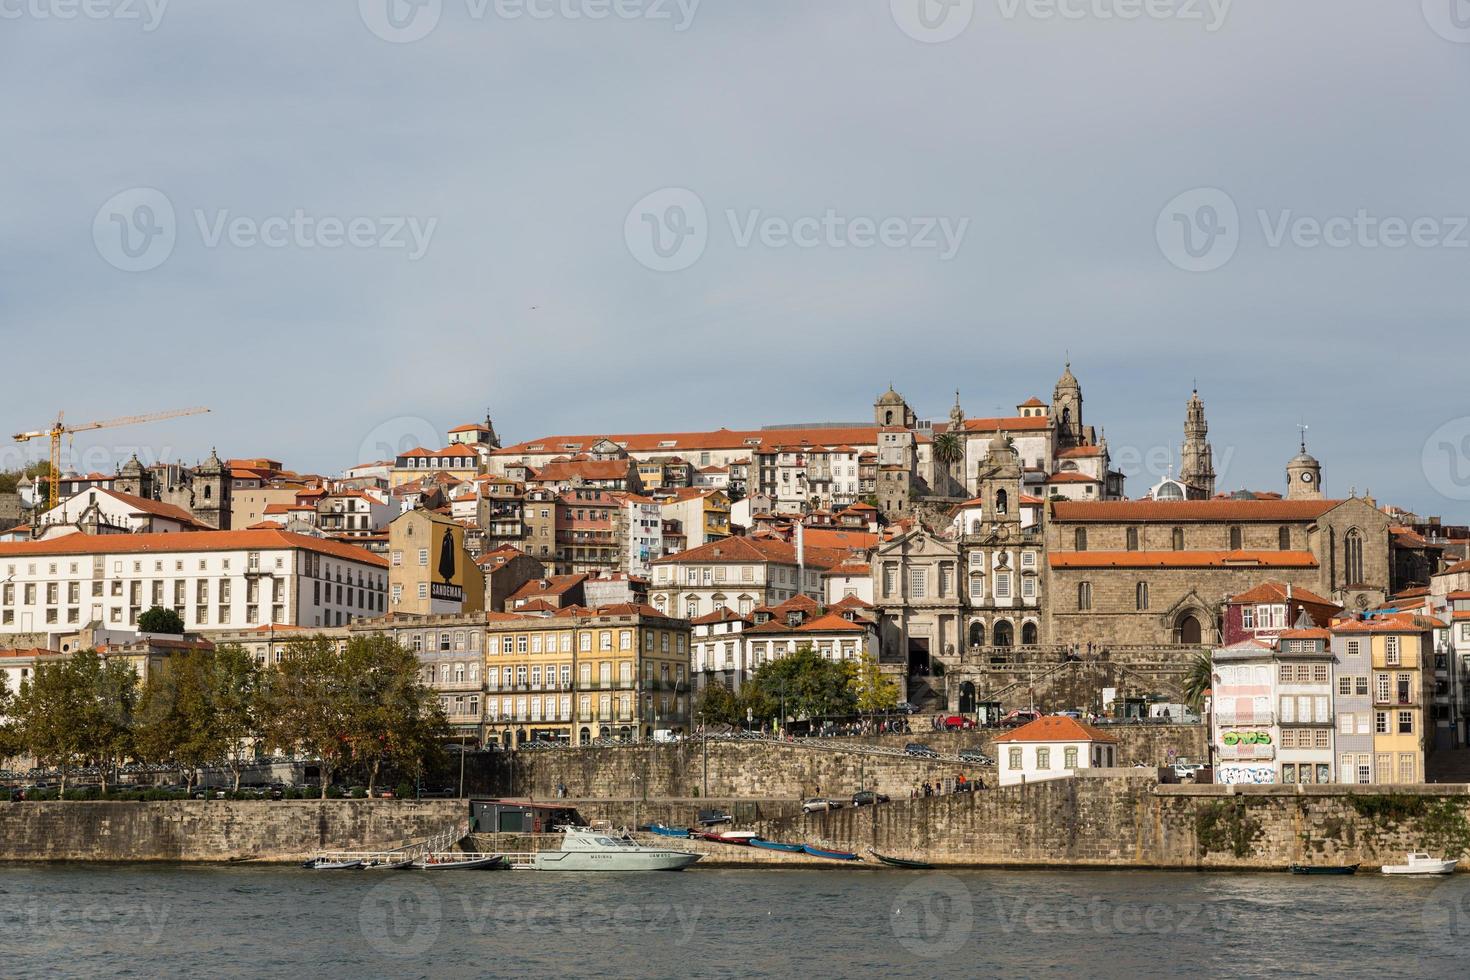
890,397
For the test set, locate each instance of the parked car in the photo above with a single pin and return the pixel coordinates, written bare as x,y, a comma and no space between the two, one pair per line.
709,818
1020,716
976,757
920,750
1187,770
868,797
905,708
956,723
820,804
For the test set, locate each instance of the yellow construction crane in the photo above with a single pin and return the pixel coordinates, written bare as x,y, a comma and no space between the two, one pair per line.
60,428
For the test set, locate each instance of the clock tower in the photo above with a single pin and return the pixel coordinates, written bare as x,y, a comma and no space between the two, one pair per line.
1304,475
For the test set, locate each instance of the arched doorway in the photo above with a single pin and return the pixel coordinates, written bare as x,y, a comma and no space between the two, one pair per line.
977,634
505,739
1028,634
1191,633
1005,634
584,736
625,733
604,732
967,698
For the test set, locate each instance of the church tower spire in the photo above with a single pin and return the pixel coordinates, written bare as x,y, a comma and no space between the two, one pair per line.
1197,459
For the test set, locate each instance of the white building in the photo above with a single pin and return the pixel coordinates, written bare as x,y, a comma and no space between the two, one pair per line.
1053,747
739,573
102,511
212,579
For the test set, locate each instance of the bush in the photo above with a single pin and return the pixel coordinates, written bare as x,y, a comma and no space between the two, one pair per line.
358,793
404,790
334,792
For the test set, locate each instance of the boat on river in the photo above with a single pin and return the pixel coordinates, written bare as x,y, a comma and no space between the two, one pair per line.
1324,869
461,861
587,849
1419,863
331,864
822,852
773,845
894,862
663,831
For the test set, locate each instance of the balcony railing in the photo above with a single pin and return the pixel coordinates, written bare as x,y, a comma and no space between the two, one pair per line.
1244,717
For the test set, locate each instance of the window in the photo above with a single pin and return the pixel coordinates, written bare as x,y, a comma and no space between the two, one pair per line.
1043,758
1236,539
1141,596
1380,722
1345,724
1283,539
1344,686
1132,538
1406,722
1080,539
1406,767
1084,596
1360,686
1002,585
1178,538
917,582
1352,546
1381,684
1069,758
1248,617
1014,760
1391,650
1319,673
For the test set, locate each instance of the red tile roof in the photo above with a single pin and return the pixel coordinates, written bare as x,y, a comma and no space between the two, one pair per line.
1080,452
1019,423
1315,633
1276,592
185,541
1191,511
1072,478
724,614
1398,623
1057,728
555,585
752,550
559,471
1182,559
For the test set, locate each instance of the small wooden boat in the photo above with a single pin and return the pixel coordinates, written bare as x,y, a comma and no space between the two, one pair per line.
388,864
1420,863
894,862
326,864
743,837
469,862
822,852
1324,869
772,845
663,831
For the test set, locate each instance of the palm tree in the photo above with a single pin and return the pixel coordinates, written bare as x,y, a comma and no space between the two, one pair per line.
948,449
1197,681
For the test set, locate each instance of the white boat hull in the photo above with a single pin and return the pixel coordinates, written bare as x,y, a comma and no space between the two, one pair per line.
1421,868
640,860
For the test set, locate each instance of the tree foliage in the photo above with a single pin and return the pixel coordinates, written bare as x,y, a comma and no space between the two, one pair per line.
160,620
78,711
1197,681
201,710
807,684
872,690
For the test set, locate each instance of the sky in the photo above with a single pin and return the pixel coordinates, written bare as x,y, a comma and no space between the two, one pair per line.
347,225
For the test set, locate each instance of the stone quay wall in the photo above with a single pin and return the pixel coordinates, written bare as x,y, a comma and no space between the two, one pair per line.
1118,818
215,830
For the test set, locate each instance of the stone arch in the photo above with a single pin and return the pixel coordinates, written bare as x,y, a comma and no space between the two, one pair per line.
1188,629
977,633
1004,633
1028,634
967,698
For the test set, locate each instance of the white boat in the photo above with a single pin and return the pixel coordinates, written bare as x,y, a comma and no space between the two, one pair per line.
1421,864
388,864
460,861
329,864
585,849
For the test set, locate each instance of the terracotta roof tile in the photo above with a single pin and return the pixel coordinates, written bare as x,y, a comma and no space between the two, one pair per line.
1056,728
1182,559
185,541
1190,511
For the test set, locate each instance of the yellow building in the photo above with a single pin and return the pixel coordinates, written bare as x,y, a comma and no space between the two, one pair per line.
429,571
1399,646
620,671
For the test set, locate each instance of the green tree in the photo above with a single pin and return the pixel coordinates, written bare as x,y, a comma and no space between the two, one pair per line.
305,705
389,714
718,705
949,449
36,471
232,687
872,690
160,620
201,710
809,685
1197,681
44,711
110,704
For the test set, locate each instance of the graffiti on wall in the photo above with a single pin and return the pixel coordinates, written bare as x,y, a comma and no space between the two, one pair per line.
1246,738
1245,774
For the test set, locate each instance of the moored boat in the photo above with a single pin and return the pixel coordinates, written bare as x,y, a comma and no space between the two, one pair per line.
1419,863
823,852
330,864
663,831
453,861
586,849
743,837
772,845
894,862
1324,869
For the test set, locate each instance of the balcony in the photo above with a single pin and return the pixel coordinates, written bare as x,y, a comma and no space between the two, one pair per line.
1226,718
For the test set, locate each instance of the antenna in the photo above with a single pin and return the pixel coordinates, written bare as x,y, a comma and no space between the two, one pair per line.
1303,427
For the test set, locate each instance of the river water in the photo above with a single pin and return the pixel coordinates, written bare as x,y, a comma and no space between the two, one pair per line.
146,921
